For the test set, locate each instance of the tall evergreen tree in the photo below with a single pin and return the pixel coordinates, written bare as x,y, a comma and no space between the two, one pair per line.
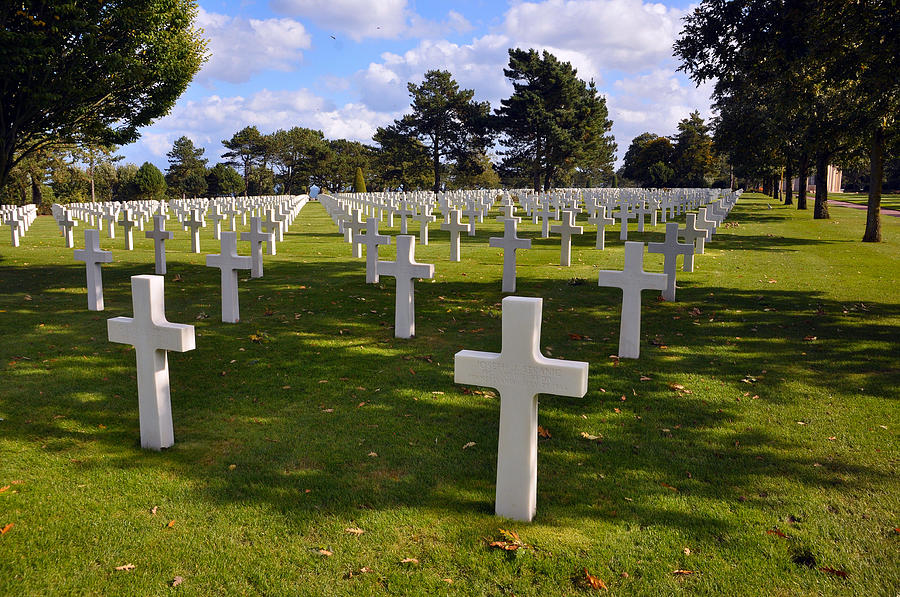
187,167
448,121
245,149
402,161
553,120
693,160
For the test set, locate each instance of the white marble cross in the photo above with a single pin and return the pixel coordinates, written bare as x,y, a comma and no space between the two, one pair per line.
602,221
694,235
623,215
519,372
546,212
404,212
216,216
195,224
352,228
15,226
641,209
160,235
229,262
632,280
371,239
508,212
454,226
405,270
127,223
93,257
424,218
566,229
472,213
671,248
705,223
272,224
509,242
152,336
256,237
68,223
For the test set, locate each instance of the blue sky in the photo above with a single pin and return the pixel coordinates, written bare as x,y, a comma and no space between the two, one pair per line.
341,66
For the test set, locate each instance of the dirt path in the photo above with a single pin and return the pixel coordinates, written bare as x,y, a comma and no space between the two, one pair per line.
884,212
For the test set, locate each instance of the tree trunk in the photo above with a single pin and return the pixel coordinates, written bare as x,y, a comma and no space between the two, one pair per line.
820,210
436,163
804,178
765,185
776,188
37,195
789,191
876,174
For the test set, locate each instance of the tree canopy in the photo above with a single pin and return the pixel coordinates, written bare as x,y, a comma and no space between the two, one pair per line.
90,72
553,120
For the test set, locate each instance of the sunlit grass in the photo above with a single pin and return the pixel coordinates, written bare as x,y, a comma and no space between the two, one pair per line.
746,424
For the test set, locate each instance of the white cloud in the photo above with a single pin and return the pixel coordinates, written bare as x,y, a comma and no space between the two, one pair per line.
214,118
626,35
240,48
357,19
362,19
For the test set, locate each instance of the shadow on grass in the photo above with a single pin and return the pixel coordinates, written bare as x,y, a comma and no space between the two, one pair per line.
320,409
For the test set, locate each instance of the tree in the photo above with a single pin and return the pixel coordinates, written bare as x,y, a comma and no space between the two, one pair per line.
552,120
296,155
338,170
402,161
448,122
693,161
487,178
359,183
150,182
828,87
186,164
647,150
90,72
244,150
224,180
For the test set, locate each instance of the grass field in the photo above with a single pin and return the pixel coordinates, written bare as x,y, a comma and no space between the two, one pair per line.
753,446
888,200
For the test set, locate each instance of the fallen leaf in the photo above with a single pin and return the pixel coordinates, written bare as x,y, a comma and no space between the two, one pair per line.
177,581
5,529
153,510
645,378
589,437
542,432
468,445
355,531
373,454
510,542
449,581
4,488
777,532
676,386
324,552
840,573
832,438
594,581
171,524
125,567
683,572
687,551
809,338
409,561
667,486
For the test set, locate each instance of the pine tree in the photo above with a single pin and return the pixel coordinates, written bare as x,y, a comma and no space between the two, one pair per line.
359,184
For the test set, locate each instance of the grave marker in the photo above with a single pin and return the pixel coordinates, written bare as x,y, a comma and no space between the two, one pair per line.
566,229
671,248
256,237
160,235
405,270
93,257
454,226
519,372
229,262
632,280
152,336
371,239
509,242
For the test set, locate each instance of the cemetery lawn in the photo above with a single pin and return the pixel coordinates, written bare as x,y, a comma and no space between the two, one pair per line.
752,449
888,200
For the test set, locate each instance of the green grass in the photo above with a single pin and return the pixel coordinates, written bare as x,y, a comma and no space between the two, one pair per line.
888,200
785,340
